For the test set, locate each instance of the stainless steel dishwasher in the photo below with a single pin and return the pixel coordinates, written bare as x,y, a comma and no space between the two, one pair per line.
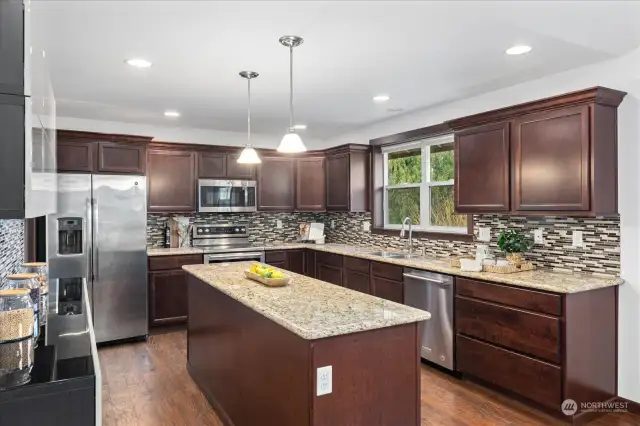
433,292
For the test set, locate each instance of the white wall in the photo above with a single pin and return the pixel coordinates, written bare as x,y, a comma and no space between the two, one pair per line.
622,74
179,134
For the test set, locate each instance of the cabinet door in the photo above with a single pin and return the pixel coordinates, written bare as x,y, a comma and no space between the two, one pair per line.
212,165
171,180
482,169
551,161
116,157
295,261
236,170
357,281
310,263
338,182
329,274
12,164
388,289
75,156
168,303
310,184
12,47
276,184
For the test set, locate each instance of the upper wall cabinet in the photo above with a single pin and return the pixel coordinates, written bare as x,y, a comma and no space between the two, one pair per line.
12,47
276,184
223,165
171,180
310,184
553,156
347,177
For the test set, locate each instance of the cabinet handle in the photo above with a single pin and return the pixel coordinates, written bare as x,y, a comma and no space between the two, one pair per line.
421,278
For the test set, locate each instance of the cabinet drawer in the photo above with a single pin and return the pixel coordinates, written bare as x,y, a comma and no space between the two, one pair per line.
533,379
331,259
521,298
275,256
160,263
533,334
386,270
356,264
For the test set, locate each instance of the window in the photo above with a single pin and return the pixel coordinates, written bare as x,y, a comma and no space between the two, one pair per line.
418,183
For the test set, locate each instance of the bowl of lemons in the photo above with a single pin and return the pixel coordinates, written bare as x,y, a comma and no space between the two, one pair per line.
267,275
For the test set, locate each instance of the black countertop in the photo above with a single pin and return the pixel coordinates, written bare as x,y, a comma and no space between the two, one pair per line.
66,357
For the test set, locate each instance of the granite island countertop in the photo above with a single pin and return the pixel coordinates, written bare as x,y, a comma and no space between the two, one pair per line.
153,252
540,279
310,308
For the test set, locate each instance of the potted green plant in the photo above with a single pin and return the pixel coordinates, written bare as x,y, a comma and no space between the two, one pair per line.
513,243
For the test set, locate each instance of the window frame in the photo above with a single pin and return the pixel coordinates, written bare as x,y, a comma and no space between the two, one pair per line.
425,185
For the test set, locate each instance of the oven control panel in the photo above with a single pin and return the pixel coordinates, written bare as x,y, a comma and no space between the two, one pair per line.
212,231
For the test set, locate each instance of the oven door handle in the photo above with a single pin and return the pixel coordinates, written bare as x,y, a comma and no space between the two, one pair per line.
238,256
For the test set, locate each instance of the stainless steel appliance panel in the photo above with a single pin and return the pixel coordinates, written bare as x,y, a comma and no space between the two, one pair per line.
219,195
119,257
74,205
433,292
243,256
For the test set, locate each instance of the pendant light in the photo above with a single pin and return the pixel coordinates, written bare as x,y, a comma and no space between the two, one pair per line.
248,154
291,142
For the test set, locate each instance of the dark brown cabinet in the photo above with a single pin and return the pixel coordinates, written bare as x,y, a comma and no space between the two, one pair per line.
223,165
74,156
12,46
357,281
295,261
276,186
482,169
171,180
551,160
168,297
388,289
552,156
310,263
330,274
310,184
347,176
121,158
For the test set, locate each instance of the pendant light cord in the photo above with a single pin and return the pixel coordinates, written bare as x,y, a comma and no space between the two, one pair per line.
290,87
249,112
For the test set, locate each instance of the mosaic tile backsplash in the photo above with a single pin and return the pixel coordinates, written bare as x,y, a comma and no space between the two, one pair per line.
11,246
601,236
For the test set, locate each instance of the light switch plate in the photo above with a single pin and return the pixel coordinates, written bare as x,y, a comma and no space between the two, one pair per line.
484,234
333,224
538,237
325,380
577,238
278,223
366,225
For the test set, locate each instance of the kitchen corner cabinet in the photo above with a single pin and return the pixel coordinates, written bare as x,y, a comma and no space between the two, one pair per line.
560,156
310,184
347,177
171,180
168,288
223,165
276,184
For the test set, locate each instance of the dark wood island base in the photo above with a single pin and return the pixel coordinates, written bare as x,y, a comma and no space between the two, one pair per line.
255,372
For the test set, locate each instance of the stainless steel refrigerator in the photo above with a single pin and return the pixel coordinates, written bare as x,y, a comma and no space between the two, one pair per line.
99,233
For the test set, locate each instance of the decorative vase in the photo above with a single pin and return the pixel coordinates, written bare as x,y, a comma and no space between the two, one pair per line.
515,258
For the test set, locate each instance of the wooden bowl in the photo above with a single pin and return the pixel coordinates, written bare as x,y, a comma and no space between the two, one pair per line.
269,282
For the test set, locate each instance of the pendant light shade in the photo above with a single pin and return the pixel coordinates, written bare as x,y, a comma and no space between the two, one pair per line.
291,142
248,154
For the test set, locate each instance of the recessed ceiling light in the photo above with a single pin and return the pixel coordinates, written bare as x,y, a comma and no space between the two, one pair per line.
300,126
172,113
381,98
518,50
138,63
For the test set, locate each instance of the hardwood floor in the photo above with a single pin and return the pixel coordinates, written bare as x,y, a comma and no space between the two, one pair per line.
146,384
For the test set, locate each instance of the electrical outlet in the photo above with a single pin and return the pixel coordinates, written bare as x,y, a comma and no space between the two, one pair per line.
366,225
484,234
537,236
577,238
278,223
325,380
333,224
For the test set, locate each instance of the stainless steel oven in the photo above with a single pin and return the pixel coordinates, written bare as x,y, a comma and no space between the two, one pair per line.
241,256
221,195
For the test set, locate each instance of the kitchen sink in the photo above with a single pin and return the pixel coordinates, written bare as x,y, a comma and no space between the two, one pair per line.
394,255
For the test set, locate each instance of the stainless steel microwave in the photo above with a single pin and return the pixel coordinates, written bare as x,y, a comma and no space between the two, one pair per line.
221,195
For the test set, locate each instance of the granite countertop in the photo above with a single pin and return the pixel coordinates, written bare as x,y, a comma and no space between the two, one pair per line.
152,252
310,308
540,279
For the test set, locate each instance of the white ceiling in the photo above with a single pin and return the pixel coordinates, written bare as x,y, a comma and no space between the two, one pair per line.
421,53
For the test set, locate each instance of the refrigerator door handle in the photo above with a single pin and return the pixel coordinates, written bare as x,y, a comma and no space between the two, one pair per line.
96,250
88,237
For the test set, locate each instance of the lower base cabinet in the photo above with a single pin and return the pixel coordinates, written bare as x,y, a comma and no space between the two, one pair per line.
295,261
358,281
330,274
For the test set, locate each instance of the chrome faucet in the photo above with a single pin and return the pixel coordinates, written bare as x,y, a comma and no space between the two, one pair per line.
404,222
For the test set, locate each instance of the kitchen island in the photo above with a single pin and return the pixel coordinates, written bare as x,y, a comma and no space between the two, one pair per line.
258,353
